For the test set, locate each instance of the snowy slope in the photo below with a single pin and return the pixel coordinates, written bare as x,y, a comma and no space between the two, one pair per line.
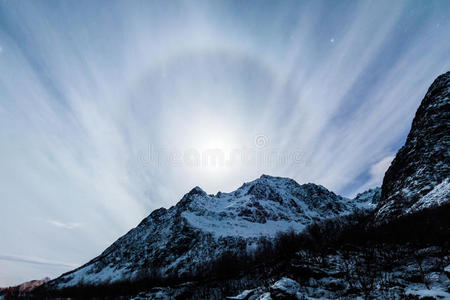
367,200
438,196
201,227
263,207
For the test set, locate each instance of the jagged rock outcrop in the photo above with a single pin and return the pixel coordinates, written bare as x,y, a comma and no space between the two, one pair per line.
419,175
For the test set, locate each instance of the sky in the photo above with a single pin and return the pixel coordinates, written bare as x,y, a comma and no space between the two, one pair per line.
111,109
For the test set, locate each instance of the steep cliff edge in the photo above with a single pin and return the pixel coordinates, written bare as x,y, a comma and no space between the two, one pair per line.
419,175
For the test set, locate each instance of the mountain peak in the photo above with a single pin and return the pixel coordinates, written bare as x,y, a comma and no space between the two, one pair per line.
201,227
197,191
189,197
271,180
269,177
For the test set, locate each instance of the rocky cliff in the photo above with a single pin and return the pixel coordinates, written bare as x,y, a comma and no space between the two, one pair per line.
419,175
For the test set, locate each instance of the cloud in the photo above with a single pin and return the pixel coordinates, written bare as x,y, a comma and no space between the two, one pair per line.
65,225
375,174
35,260
86,93
378,170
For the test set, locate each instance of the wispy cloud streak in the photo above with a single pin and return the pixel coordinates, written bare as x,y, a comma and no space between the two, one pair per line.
86,88
35,260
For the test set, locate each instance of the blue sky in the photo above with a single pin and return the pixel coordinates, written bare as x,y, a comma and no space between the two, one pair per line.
110,109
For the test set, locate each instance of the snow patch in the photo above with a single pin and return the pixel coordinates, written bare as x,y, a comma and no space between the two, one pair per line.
286,286
420,291
438,196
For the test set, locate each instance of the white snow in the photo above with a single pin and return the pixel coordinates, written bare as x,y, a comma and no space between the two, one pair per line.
239,227
222,215
242,295
86,275
265,296
287,286
420,291
436,197
447,269
366,200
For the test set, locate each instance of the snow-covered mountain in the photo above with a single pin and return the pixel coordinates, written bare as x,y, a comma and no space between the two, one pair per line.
181,240
388,265
202,227
367,200
419,176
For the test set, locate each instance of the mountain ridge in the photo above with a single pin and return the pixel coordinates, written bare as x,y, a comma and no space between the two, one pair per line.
200,228
169,241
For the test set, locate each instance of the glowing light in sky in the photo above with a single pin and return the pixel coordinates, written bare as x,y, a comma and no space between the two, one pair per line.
105,107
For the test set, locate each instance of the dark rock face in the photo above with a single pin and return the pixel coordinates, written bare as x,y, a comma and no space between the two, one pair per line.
424,161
